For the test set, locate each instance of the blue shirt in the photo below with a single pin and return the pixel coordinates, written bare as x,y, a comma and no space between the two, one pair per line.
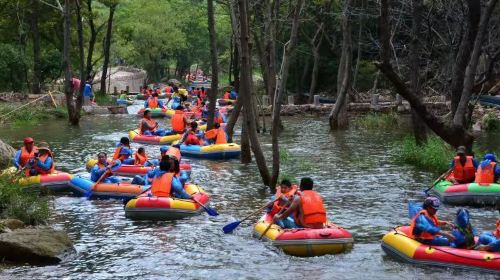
424,224
17,159
97,172
125,150
87,91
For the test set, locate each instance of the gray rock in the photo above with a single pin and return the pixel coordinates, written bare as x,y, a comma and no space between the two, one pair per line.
40,246
6,154
8,225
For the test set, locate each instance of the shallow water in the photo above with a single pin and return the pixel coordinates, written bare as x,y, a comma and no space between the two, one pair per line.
364,190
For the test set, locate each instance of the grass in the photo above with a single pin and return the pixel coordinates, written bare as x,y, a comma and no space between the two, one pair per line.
490,122
375,120
15,203
433,156
104,100
29,114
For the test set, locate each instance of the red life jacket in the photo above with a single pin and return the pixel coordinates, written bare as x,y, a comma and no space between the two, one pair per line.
497,229
162,185
146,124
139,159
168,89
178,124
226,95
423,235
26,156
278,204
218,118
192,139
464,173
313,210
153,102
203,94
486,175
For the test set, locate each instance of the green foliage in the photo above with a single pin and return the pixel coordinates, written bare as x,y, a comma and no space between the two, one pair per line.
490,122
51,64
104,100
17,203
433,156
31,115
366,75
377,120
13,65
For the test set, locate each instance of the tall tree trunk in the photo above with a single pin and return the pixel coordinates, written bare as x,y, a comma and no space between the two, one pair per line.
338,115
92,39
282,81
246,92
315,50
358,56
75,118
271,13
246,153
107,46
214,63
233,118
37,70
419,128
68,90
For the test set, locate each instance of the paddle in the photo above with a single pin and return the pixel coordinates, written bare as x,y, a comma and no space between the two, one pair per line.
232,226
88,195
272,222
438,180
210,211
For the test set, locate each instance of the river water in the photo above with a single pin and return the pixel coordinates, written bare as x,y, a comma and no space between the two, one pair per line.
364,190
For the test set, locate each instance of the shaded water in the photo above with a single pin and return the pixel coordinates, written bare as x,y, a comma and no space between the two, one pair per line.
364,190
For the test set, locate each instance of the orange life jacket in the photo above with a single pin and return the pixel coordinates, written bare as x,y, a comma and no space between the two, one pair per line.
423,235
497,229
218,134
43,158
192,139
218,118
168,89
162,186
313,210
278,204
178,124
174,152
139,159
117,155
226,95
464,173
25,156
153,102
101,166
146,124
486,175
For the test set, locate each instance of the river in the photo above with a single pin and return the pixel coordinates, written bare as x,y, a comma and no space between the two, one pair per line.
364,190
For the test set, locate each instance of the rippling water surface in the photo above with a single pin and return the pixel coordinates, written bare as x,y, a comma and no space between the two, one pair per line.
364,190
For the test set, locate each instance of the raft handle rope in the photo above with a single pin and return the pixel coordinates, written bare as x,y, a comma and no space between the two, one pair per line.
396,232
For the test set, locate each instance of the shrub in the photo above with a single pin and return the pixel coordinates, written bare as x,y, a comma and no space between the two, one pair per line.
377,120
490,122
433,156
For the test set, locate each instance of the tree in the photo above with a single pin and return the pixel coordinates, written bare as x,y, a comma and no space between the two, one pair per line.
107,44
214,63
37,69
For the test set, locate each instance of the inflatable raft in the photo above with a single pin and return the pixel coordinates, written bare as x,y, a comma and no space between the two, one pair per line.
215,151
132,170
467,194
120,101
305,242
55,182
398,245
146,207
157,113
134,136
141,96
123,190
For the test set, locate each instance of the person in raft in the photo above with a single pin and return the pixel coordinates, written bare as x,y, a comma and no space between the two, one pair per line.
216,135
165,183
307,207
464,167
425,226
153,102
148,126
42,163
192,136
140,157
104,165
123,152
488,171
285,193
179,121
25,153
490,241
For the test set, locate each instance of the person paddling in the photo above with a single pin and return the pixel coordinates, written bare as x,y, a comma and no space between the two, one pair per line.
43,162
464,167
104,165
490,241
280,202
488,171
165,183
123,152
25,153
217,134
307,207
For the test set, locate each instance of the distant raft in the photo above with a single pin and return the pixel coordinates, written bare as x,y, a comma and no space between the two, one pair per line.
134,136
123,190
467,194
215,151
305,242
132,170
141,96
398,245
57,181
157,112
120,101
147,207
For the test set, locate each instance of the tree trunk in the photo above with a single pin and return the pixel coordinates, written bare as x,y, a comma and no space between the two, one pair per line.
37,71
282,81
107,46
358,56
419,128
246,153
315,51
92,39
338,116
68,90
271,13
214,63
246,91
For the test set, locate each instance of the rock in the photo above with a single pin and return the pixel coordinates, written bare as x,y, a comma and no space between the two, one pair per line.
6,154
41,245
7,225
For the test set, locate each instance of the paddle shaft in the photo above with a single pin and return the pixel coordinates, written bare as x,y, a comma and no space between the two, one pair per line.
204,207
439,179
269,226
99,180
257,211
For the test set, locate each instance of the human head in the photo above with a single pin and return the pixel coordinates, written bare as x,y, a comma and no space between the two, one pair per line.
431,204
102,157
285,185
174,164
165,164
141,151
490,157
125,141
194,125
28,143
43,148
306,184
202,88
461,151
147,113
216,125
163,150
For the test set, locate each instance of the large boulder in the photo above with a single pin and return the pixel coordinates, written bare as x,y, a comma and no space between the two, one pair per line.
40,245
6,154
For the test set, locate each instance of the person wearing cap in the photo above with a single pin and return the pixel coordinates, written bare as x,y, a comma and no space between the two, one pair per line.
464,167
488,171
25,153
104,165
425,226
43,162
123,152
165,183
